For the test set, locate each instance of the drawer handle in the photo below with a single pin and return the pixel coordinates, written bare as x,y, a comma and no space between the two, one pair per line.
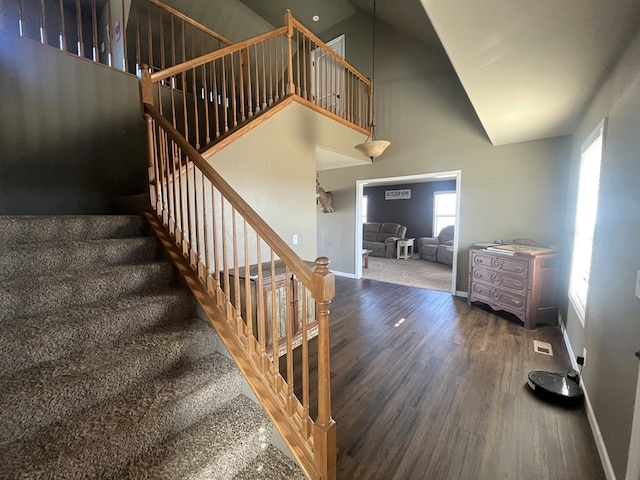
518,268
518,285
517,302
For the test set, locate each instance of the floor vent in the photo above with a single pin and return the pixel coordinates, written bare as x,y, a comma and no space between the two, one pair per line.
542,347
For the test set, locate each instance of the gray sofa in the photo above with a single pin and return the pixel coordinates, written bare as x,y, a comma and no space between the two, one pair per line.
381,238
438,249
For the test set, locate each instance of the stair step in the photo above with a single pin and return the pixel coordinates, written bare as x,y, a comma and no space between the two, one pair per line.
271,463
219,446
38,259
48,294
28,341
54,390
101,440
69,228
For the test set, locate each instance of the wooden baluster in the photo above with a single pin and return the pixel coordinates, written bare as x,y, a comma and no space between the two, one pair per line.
123,29
184,46
236,276
183,91
298,89
194,252
196,127
62,37
289,319
80,44
323,282
175,191
205,89
275,363
205,236
306,420
173,42
255,50
305,90
216,249
215,100
224,94
232,80
225,264
270,74
264,79
247,58
110,34
187,233
283,82
261,314
43,24
248,319
289,23
150,60
151,164
241,57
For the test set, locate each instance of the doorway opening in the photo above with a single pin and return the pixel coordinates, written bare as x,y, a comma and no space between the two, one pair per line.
399,204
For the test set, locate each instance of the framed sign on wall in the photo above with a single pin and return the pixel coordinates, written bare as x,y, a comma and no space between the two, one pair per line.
397,194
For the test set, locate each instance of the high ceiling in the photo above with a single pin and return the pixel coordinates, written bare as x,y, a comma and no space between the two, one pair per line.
528,68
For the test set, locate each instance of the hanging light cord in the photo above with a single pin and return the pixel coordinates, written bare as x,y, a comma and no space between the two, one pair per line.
372,127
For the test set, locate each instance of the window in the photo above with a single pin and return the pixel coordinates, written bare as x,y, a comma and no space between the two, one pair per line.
586,211
444,210
364,209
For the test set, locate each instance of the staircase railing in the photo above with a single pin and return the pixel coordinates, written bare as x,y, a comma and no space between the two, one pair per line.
207,97
122,34
262,299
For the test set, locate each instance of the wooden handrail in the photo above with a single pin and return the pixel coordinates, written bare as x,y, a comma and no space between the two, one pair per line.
284,251
209,57
190,21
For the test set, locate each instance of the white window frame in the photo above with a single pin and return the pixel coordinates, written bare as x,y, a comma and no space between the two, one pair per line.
435,209
591,155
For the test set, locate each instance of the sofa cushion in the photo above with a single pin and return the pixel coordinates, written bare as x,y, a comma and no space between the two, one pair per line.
388,230
370,232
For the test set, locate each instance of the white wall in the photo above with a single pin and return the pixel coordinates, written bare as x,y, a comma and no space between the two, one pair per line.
506,192
612,329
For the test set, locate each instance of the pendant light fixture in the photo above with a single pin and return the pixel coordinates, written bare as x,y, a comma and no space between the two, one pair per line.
373,147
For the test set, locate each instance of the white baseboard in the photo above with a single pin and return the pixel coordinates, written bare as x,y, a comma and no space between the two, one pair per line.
591,416
460,293
344,274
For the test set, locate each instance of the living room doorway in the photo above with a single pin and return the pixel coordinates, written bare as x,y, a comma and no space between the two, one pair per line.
397,198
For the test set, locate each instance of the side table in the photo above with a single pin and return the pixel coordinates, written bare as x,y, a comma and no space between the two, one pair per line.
405,248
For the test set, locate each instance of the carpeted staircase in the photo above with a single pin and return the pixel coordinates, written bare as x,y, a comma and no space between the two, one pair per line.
105,370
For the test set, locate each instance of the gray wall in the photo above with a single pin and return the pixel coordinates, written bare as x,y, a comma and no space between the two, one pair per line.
416,213
506,192
71,132
612,328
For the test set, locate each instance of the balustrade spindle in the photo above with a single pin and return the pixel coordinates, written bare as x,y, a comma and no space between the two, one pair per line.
215,100
195,108
62,34
247,57
205,90
255,51
136,20
275,354
110,36
290,316
225,104
236,276
264,79
216,248
125,45
305,367
248,317
150,61
270,73
225,262
241,85
43,23
261,314
205,235
232,80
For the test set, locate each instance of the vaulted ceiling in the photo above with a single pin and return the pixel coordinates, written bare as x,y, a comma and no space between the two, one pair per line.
528,68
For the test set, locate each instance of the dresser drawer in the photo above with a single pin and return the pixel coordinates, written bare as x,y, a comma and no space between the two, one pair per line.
497,279
498,298
499,263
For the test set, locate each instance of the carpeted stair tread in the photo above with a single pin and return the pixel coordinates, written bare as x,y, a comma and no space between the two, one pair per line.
219,446
53,390
101,440
47,294
68,228
270,464
38,259
28,341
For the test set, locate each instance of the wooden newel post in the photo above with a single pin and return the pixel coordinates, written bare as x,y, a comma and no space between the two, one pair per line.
324,289
146,90
288,21
146,97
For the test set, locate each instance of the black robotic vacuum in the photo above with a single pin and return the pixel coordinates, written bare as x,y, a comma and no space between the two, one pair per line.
556,388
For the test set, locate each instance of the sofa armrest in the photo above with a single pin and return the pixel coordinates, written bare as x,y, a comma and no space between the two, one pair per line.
427,241
390,247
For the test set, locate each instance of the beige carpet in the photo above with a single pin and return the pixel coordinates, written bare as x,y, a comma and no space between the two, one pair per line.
412,273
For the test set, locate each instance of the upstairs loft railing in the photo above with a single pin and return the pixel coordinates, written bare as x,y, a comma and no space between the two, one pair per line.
122,34
262,299
207,97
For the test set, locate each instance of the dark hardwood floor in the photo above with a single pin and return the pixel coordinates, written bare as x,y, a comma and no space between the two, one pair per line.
426,387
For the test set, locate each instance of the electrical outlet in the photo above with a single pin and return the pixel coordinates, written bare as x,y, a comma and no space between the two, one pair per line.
295,239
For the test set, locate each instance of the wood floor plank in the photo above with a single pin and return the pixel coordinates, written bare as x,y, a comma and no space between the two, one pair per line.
426,387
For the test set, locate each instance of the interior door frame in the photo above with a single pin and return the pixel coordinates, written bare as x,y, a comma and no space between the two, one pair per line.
418,178
633,462
338,46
